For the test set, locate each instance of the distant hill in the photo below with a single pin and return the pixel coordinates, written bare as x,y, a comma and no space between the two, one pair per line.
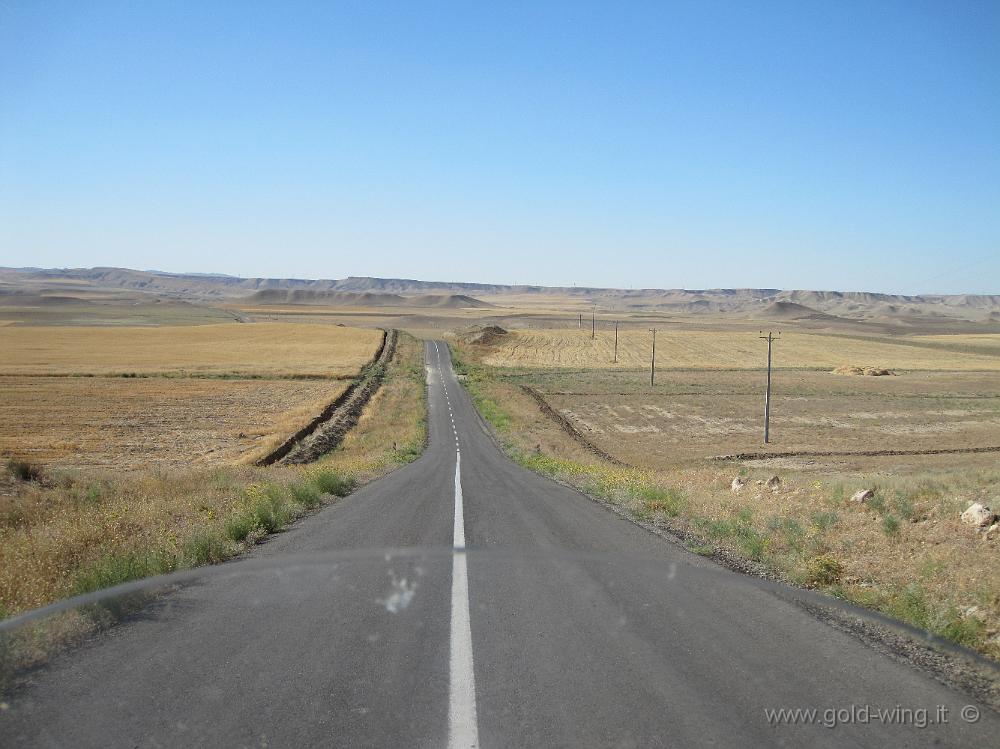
324,297
855,306
362,299
794,311
451,301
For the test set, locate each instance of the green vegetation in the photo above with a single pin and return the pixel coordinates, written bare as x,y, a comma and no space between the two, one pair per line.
823,570
205,547
890,525
914,605
473,377
329,481
704,550
114,569
740,530
265,508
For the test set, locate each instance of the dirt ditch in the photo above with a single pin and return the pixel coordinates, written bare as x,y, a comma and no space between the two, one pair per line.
569,429
325,432
856,453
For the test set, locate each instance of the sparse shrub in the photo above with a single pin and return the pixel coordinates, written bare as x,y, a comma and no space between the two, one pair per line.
306,494
223,478
669,501
24,470
904,506
267,514
715,528
890,525
823,570
332,482
93,494
413,449
205,547
241,525
114,569
824,521
912,606
751,542
877,502
790,531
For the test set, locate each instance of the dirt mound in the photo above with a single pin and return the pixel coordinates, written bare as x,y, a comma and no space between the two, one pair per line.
850,369
491,335
450,301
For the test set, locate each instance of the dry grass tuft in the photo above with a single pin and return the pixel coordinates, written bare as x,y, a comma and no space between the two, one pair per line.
850,369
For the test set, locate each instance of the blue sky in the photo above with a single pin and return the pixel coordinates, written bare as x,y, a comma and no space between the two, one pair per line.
851,145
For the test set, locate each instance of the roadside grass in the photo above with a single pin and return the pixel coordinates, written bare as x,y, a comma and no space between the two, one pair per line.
90,532
245,512
905,553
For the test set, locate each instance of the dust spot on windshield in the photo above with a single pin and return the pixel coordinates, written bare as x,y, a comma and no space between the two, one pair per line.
401,592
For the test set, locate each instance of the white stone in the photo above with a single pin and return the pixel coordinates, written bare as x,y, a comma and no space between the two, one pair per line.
978,515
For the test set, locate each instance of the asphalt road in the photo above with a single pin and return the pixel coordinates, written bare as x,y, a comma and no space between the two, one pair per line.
554,623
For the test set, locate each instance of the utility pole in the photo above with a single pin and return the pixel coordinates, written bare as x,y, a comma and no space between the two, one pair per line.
581,320
616,342
593,323
652,361
767,393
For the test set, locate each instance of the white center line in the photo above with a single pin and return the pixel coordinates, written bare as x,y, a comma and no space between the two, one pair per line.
462,724
463,730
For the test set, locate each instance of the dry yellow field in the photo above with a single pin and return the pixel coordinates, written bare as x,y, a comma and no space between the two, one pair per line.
207,410
906,552
692,415
978,342
142,422
262,349
694,349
